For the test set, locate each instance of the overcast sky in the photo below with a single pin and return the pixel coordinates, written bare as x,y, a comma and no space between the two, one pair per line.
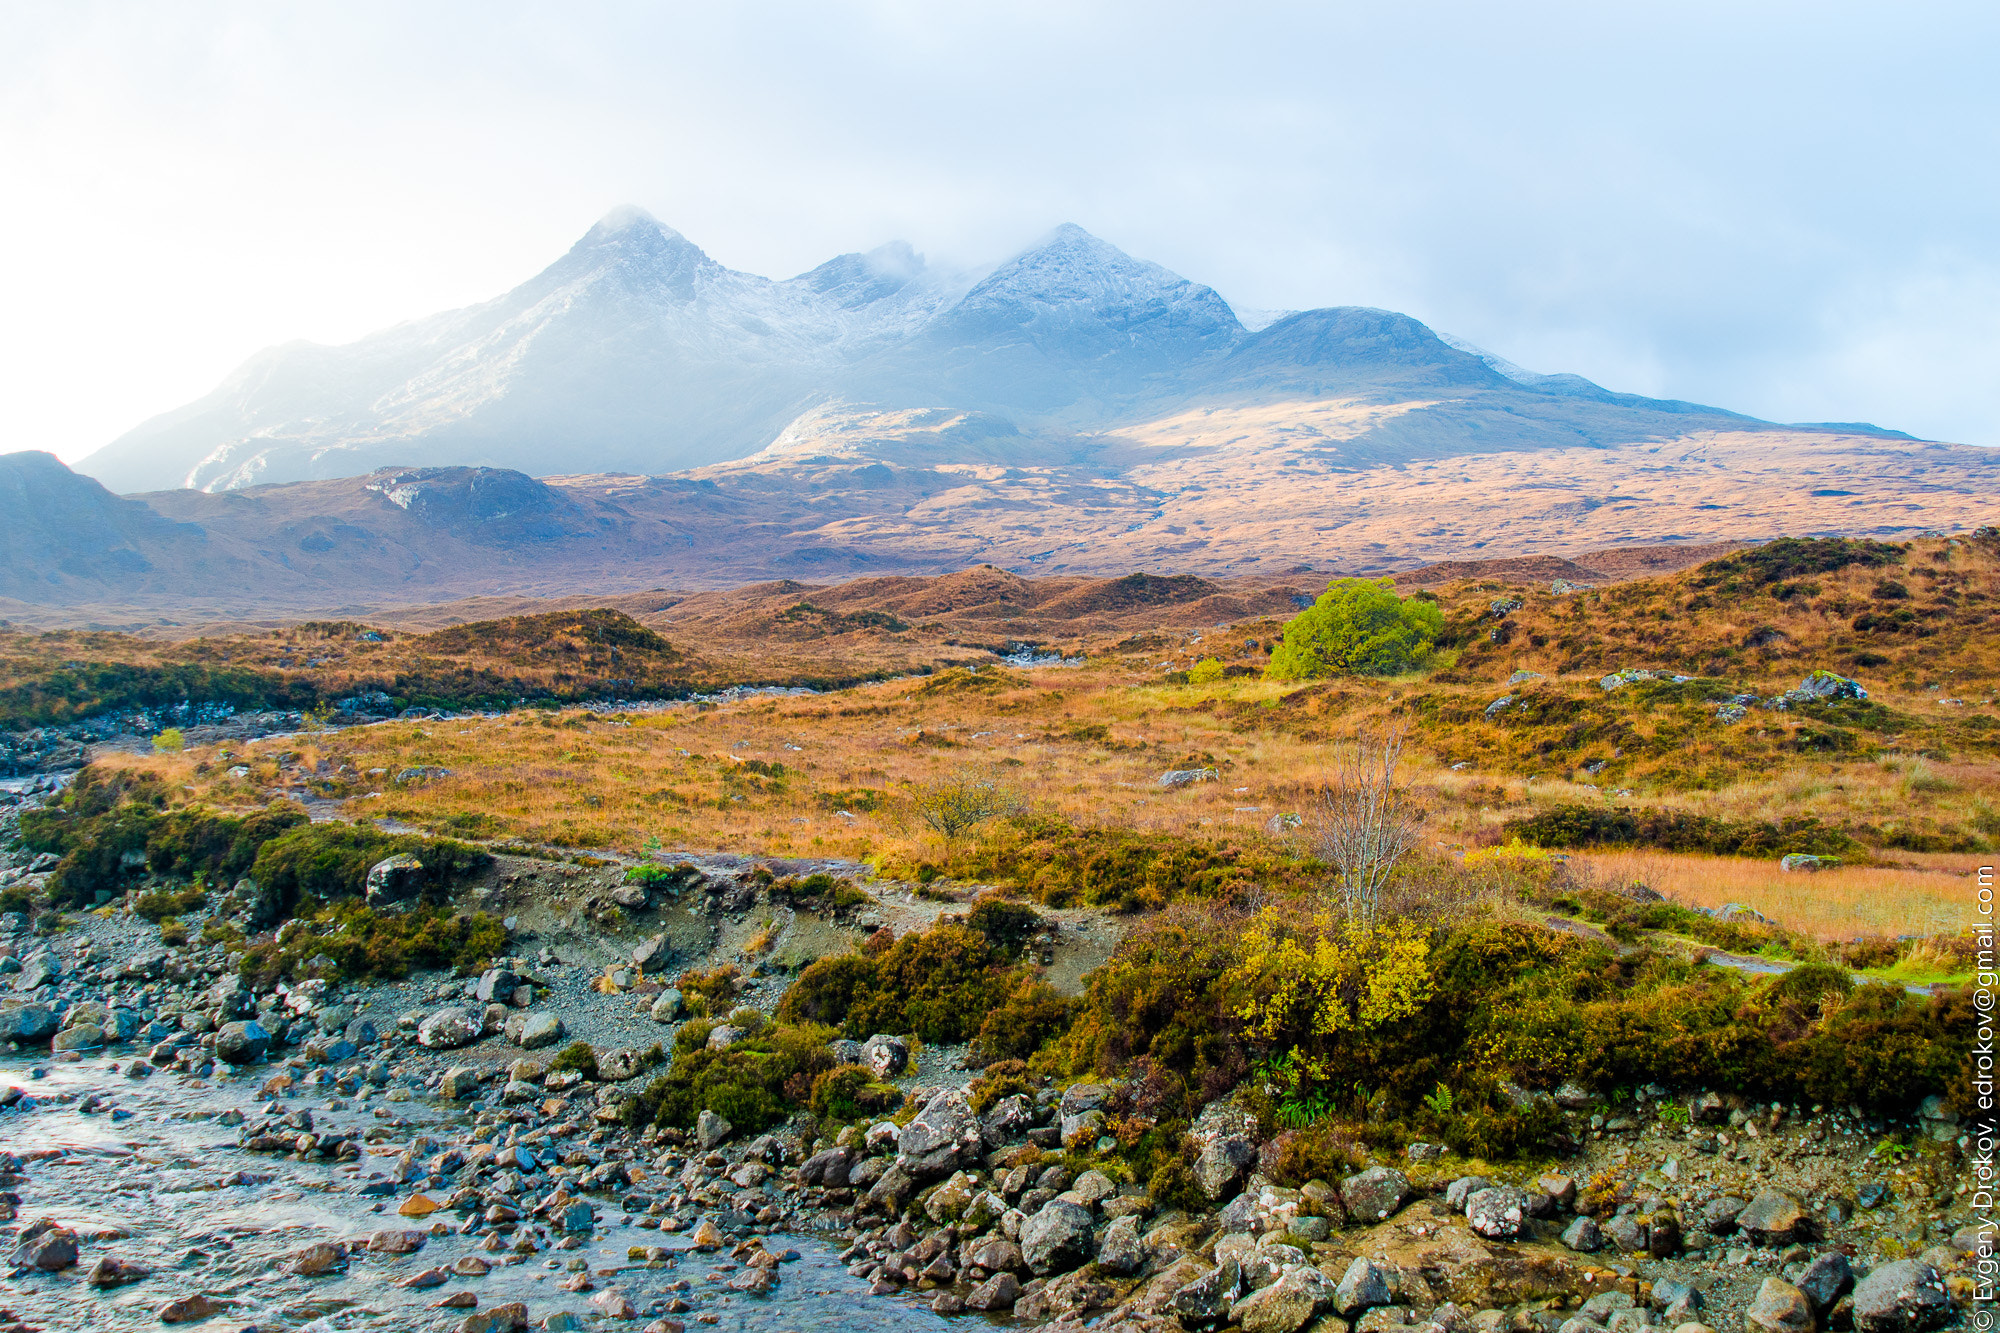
1791,210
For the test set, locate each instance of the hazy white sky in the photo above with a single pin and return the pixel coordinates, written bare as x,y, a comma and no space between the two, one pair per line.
1786,209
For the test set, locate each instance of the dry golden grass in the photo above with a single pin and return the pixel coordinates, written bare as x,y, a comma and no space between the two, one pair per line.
1833,905
827,775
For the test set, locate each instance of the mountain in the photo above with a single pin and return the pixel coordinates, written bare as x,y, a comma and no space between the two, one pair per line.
637,352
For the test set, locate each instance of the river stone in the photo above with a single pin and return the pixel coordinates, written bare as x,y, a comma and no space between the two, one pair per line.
828,1168
998,1253
1600,1308
317,1260
82,1037
1375,1194
51,1251
22,1021
1826,1278
395,1240
1628,1233
1207,1299
711,1129
111,1271
1907,1296
1497,1213
189,1309
93,1012
1057,1238
395,879
242,1043
996,1294
949,1201
667,1007
1227,1136
448,1029
509,1318
1287,1304
531,1032
1456,1193
459,1082
1362,1287
1773,1218
1780,1307
944,1135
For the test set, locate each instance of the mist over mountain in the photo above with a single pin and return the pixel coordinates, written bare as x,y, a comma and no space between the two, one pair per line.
637,352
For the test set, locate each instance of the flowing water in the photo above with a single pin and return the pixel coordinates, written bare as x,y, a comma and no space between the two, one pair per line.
149,1171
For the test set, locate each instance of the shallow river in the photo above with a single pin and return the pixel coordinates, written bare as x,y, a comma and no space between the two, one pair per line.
166,1186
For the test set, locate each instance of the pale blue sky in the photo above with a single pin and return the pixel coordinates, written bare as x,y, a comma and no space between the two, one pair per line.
1786,209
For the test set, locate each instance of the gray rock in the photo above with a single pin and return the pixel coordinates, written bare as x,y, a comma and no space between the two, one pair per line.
1584,1236
887,1055
459,1083
533,1031
995,1295
1121,1250
1057,1238
711,1129
651,951
448,1029
1629,1233
1209,1298
1718,1216
944,1136
847,1051
1227,1139
667,1007
496,986
1671,1292
1186,777
242,1043
1907,1296
892,1190
1362,1287
1604,1304
1773,1218
1456,1193
1780,1307
1826,1280
1375,1194
1497,1213
24,1021
397,879
44,969
724,1035
1287,1305
82,1037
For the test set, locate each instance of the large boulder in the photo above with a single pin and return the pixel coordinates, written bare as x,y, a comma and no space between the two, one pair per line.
448,1029
242,1043
1773,1218
26,1021
1057,1238
1287,1305
1375,1194
396,879
944,1136
1226,1139
1907,1296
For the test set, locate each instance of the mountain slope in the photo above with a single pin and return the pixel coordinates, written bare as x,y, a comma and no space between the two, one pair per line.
637,352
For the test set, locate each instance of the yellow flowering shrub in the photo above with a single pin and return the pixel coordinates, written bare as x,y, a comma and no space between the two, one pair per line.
1309,987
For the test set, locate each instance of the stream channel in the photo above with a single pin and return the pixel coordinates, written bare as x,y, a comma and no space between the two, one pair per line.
148,1170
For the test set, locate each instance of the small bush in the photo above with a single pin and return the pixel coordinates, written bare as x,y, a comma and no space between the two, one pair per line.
1007,926
362,942
1676,831
171,740
579,1056
851,1092
939,984
160,904
1033,1013
1206,672
753,1083
708,991
173,933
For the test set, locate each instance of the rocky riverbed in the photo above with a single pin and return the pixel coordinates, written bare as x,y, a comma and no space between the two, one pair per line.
182,1146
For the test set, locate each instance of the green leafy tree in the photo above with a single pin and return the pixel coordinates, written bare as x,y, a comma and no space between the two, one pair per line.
1357,627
